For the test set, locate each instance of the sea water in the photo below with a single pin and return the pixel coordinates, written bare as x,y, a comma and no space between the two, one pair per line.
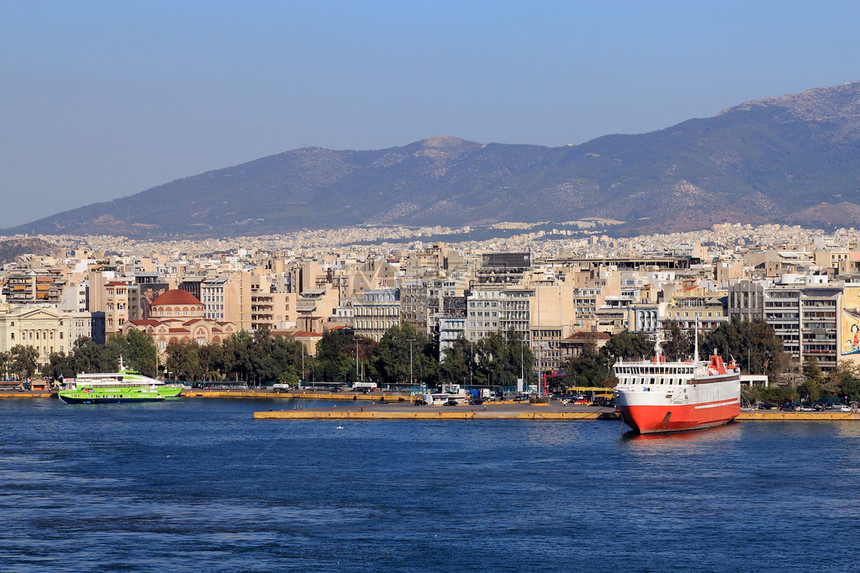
198,484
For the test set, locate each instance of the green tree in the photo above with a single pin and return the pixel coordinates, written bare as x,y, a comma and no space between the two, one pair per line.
24,361
183,361
143,352
778,394
237,356
812,370
457,363
59,364
589,368
813,378
5,364
137,350
629,346
211,358
753,345
501,358
87,356
335,357
678,344
392,357
844,381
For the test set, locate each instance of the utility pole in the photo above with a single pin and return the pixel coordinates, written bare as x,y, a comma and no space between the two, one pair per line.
522,362
356,358
471,359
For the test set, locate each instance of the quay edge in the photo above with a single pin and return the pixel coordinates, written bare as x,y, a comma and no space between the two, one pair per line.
429,415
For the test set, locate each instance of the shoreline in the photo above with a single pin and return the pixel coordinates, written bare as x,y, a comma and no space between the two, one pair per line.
379,406
509,411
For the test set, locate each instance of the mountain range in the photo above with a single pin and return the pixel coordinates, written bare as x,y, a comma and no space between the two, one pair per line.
788,159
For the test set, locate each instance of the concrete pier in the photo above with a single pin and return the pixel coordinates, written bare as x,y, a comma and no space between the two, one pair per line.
798,416
16,394
429,414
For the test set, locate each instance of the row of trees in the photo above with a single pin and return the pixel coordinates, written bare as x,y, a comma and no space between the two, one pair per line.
404,354
842,382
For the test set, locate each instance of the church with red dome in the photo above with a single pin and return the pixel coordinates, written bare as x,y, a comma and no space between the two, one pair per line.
178,316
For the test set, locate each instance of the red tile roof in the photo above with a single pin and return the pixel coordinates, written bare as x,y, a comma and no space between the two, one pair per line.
176,296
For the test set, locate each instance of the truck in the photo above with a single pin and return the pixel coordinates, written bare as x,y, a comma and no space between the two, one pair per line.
364,386
482,393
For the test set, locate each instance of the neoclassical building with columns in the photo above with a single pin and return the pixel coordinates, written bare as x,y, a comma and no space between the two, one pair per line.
44,328
178,316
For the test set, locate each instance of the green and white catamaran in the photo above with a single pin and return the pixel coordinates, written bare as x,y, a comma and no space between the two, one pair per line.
122,386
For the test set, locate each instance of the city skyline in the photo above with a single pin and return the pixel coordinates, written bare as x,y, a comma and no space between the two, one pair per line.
105,100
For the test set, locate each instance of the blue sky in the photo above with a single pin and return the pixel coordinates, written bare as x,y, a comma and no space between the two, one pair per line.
103,99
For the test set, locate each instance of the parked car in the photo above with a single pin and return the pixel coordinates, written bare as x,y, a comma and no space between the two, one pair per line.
450,403
845,408
420,402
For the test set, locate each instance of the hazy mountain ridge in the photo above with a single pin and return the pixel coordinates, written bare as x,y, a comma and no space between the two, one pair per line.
793,158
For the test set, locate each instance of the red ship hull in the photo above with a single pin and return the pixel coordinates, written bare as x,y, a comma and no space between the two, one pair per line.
652,418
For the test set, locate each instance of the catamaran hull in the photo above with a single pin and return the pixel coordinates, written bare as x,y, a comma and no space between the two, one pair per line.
73,400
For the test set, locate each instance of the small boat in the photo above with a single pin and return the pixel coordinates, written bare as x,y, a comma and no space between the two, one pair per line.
121,386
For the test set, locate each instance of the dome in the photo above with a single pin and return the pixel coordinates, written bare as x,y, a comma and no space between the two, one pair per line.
176,296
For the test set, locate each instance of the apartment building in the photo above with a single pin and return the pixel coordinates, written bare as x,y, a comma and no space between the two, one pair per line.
450,328
116,306
35,286
376,311
483,304
706,312
805,317
214,294
273,310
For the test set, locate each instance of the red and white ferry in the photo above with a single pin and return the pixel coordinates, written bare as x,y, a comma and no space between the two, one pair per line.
659,396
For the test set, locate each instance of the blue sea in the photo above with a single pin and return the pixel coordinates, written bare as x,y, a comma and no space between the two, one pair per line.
199,485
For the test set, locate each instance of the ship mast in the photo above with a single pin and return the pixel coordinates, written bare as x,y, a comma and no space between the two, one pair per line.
696,343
